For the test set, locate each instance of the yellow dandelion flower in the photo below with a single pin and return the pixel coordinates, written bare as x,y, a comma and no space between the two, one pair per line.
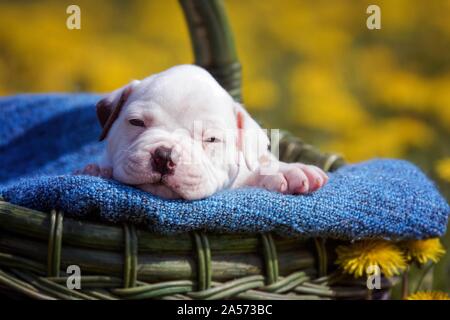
358,258
443,169
429,295
423,250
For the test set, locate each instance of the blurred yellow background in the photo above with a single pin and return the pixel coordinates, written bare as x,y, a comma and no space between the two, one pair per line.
310,66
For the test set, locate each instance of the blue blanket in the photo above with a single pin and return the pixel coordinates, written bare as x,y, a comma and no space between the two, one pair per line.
45,137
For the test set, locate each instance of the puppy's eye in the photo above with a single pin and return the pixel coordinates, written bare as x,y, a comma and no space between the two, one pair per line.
137,122
211,140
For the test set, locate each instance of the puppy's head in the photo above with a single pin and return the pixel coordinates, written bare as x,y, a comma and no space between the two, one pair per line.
177,134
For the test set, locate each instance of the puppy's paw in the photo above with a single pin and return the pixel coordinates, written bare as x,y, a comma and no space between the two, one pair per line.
303,178
295,178
95,170
276,182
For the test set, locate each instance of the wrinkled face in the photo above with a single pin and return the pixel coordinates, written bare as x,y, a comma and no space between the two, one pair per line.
175,136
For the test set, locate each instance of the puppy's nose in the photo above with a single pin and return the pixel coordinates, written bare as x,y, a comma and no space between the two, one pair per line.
162,160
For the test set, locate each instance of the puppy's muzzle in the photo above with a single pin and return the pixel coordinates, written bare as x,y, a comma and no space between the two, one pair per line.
162,161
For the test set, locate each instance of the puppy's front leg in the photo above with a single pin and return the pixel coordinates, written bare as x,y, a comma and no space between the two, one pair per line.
95,170
290,178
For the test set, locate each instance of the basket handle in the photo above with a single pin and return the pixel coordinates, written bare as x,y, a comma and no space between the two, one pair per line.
213,42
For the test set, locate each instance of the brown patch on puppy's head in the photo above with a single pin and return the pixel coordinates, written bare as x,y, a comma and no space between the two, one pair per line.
108,111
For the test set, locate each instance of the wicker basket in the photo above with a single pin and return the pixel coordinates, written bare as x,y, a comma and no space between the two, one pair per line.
122,262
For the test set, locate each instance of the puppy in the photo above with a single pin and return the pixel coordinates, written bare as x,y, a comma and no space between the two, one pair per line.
179,134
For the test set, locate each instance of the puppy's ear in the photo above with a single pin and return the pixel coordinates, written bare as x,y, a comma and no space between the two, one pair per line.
108,108
252,141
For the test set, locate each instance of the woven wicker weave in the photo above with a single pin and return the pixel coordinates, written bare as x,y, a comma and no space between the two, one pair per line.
122,262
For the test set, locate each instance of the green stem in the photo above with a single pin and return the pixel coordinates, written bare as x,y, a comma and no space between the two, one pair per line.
405,284
422,277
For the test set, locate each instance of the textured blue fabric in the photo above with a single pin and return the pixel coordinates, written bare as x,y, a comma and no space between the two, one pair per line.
44,137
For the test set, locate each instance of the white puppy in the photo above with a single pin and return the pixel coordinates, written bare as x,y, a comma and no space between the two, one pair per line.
179,134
